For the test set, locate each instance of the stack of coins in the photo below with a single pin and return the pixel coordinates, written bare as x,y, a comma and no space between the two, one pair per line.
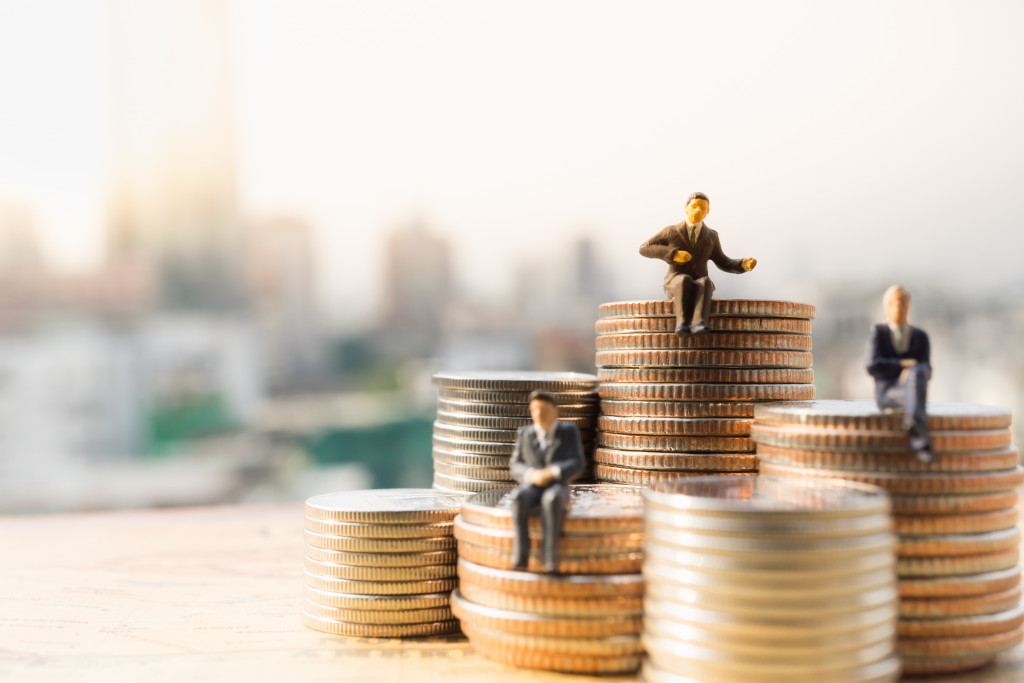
584,619
674,407
956,517
478,414
380,563
761,579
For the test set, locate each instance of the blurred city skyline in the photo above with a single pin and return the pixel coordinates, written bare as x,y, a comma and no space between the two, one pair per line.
871,141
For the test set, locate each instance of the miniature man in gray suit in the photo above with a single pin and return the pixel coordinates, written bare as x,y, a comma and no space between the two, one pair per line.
547,456
899,358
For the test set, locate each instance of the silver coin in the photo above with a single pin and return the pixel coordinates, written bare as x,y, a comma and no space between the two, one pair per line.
767,526
515,380
778,568
383,506
755,549
841,605
521,410
754,585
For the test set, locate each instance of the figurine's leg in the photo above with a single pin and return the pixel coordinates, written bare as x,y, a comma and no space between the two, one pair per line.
704,288
915,417
553,503
679,288
524,500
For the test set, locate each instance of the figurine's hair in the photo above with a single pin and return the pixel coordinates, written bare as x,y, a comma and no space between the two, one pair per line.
894,291
698,195
538,395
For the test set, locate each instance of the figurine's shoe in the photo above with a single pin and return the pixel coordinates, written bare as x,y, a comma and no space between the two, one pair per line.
520,565
699,328
550,567
683,330
925,455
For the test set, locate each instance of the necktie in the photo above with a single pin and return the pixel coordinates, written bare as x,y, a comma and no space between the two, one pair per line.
693,235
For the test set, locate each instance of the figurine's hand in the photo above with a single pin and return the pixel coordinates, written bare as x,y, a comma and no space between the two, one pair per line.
541,477
908,363
681,256
748,264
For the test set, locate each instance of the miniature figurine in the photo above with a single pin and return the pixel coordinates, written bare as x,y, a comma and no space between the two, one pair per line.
548,454
899,358
687,247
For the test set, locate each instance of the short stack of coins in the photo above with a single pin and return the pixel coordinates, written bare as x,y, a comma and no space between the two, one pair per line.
478,414
674,406
956,517
585,618
380,563
762,580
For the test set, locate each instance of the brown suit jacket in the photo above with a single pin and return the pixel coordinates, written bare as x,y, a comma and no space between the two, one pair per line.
708,248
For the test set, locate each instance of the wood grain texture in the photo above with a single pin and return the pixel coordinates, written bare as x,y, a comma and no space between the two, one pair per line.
208,594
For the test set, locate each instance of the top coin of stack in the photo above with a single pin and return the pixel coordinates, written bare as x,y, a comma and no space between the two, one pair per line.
380,563
956,517
765,580
478,414
673,407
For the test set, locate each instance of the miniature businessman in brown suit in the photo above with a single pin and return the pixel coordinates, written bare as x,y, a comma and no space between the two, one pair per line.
687,247
899,358
547,456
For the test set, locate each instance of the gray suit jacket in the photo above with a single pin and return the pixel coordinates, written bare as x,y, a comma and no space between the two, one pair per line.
564,451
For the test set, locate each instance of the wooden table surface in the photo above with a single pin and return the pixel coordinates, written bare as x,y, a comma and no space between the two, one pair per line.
207,594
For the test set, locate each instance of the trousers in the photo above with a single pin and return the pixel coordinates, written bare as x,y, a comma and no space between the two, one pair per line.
692,298
553,500
910,393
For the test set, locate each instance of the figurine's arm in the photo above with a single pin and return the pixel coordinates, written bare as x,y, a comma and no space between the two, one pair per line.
659,246
517,464
925,361
879,366
730,265
571,463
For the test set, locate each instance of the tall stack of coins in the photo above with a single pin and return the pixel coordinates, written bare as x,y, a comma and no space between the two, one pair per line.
674,407
584,619
380,563
956,517
478,414
761,579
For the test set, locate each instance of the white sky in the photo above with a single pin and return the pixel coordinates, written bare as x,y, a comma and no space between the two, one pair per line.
836,140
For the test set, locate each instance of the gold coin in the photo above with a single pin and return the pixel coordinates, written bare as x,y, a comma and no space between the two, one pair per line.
499,422
910,483
960,647
707,376
496,474
377,587
592,508
622,563
378,531
704,462
679,409
756,548
421,559
458,445
514,398
960,586
586,608
563,586
378,618
953,504
520,410
628,475
958,627
717,324
732,308
958,544
686,358
577,664
515,381
770,568
956,524
884,441
675,426
384,506
973,605
865,416
955,566
932,666
771,341
478,616
466,484
354,573
676,444
378,545
377,604
341,628
508,436
470,459
706,392
609,646
979,461
568,545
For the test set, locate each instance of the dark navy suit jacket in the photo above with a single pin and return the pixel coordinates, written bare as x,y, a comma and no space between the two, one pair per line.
884,361
565,450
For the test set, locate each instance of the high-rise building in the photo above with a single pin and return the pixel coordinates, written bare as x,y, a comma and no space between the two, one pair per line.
418,282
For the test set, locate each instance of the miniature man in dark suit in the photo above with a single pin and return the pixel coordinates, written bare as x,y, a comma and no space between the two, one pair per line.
547,456
899,358
687,247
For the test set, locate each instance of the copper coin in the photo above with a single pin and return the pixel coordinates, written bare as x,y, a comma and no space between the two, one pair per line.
678,409
956,586
676,444
953,504
956,524
675,426
587,608
933,666
575,664
703,462
524,623
592,509
627,475
470,459
707,375
910,483
567,586
380,531
377,604
561,646
514,398
959,647
377,587
568,545
382,559
862,440
469,485
355,573
961,606
498,474
717,324
624,563
980,461
499,422
958,627
384,506
733,308
378,617
684,358
958,544
378,545
521,410
517,380
865,415
720,340
956,566
706,392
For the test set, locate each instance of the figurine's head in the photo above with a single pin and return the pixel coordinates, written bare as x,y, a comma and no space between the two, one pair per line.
897,305
697,207
543,409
